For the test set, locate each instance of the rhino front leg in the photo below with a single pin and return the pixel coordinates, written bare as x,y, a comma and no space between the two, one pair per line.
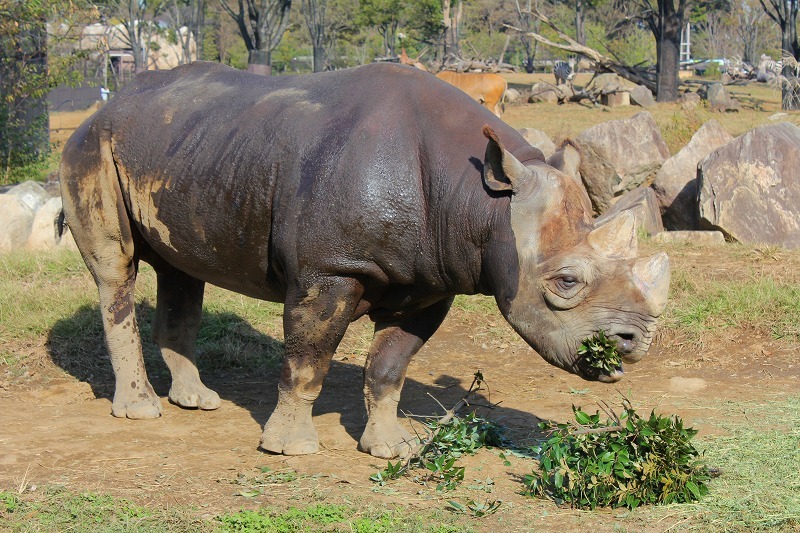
178,313
392,349
314,322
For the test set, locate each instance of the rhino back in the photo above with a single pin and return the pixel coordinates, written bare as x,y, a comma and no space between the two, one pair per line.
247,182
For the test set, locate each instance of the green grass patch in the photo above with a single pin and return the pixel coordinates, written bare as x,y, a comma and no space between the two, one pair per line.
326,517
759,487
761,304
57,509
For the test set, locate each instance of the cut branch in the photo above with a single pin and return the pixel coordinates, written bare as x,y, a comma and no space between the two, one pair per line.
602,62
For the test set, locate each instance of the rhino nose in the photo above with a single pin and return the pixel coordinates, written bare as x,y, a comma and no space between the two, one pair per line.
626,342
626,346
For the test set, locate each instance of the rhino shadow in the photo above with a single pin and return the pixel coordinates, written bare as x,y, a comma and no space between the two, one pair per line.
242,365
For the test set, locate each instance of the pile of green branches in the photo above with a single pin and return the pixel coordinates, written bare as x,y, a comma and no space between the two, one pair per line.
624,461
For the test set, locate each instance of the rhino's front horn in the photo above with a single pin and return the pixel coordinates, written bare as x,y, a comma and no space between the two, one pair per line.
651,275
616,237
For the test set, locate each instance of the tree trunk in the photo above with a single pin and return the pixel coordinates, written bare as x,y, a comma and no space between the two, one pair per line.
580,28
259,62
790,92
452,22
668,49
319,58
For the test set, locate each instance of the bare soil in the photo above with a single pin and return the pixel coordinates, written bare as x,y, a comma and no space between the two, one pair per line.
58,429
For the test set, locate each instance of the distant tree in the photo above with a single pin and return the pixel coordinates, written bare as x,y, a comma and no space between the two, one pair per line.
529,45
190,14
314,12
27,73
136,18
261,24
452,14
385,16
749,28
784,13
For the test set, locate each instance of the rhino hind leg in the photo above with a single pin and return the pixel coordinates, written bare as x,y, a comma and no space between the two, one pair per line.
392,349
97,218
314,322
178,312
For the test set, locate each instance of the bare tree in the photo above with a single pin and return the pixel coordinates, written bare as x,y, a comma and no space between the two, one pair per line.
261,24
186,20
784,13
526,25
135,17
314,14
452,13
666,20
750,22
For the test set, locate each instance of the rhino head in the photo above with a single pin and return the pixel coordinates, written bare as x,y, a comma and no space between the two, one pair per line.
574,279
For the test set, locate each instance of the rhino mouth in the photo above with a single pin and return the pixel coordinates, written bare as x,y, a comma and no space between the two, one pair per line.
590,373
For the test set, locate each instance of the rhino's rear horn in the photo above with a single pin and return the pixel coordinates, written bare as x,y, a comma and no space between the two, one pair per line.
616,237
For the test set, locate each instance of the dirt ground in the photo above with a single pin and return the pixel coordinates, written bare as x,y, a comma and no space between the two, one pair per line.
58,430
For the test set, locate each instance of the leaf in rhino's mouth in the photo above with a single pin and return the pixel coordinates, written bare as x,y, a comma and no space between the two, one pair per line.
600,353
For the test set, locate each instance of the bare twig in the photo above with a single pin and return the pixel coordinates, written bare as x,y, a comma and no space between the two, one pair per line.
477,381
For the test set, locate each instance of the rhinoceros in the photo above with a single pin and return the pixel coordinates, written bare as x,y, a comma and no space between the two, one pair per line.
378,191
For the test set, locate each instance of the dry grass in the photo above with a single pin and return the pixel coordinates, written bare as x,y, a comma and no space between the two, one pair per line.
759,102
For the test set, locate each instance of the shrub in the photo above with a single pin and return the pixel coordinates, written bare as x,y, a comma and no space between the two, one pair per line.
625,462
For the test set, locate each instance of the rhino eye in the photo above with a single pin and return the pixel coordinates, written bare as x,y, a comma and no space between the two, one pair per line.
566,283
564,291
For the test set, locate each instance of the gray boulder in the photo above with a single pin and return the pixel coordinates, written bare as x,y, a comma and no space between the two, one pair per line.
543,92
676,181
539,139
512,95
31,193
690,101
16,219
641,96
719,99
618,156
750,188
643,204
46,227
568,160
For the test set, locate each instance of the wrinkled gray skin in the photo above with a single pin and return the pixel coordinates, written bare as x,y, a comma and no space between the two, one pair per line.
375,190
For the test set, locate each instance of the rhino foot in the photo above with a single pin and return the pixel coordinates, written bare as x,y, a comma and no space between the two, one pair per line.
194,395
290,433
387,441
144,406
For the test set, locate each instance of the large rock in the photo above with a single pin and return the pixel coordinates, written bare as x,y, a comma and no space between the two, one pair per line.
643,204
568,160
605,83
46,227
543,92
750,188
620,155
512,95
676,180
719,99
539,139
641,96
31,193
690,101
16,219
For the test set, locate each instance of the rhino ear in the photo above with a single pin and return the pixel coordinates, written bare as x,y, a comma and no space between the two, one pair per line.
501,170
616,237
